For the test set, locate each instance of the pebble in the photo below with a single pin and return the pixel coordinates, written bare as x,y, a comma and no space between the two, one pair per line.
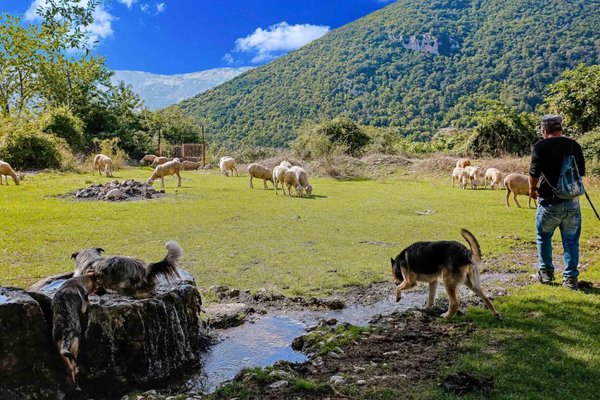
337,379
278,385
361,382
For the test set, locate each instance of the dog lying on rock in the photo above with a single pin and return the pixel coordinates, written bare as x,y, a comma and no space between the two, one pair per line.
451,261
69,304
127,275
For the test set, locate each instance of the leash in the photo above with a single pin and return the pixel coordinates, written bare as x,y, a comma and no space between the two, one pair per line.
591,204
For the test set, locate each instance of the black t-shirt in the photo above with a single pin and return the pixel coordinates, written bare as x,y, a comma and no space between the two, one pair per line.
546,161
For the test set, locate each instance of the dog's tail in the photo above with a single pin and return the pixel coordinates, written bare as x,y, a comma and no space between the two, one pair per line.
65,345
168,266
475,249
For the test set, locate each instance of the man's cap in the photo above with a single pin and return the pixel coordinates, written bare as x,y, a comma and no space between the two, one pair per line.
551,121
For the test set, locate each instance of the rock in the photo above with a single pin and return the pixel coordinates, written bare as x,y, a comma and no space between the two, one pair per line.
149,393
127,342
29,362
298,343
333,354
361,382
278,385
227,315
114,194
281,374
337,380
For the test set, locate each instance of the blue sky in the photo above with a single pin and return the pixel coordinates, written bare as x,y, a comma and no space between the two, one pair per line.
178,36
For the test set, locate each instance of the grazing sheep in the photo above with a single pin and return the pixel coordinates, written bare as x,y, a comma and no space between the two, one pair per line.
473,175
159,161
456,174
6,170
495,177
102,162
291,180
148,158
167,169
190,165
260,172
463,178
279,177
286,164
228,164
302,179
463,162
517,184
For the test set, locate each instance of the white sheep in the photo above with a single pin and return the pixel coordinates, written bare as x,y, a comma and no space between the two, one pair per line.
228,164
159,161
6,170
494,175
148,158
463,178
302,179
517,184
260,172
279,176
291,180
102,162
456,174
286,164
473,175
190,165
167,169
463,162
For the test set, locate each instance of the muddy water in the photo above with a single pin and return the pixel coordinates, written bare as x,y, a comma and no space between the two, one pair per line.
268,339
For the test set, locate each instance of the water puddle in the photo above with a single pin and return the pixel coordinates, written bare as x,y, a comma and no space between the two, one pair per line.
4,299
51,288
267,340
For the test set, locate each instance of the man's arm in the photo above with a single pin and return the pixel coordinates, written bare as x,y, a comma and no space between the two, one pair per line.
533,186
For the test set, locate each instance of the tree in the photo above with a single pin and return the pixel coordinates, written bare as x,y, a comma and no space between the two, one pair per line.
342,130
171,125
576,96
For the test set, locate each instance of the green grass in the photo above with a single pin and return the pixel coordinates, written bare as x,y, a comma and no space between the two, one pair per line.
245,238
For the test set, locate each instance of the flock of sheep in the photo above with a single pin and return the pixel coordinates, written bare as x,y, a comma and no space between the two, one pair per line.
296,177
284,174
466,174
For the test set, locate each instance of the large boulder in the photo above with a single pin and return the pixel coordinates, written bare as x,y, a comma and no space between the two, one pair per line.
28,362
127,342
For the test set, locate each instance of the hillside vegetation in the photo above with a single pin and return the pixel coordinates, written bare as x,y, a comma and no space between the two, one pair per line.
414,65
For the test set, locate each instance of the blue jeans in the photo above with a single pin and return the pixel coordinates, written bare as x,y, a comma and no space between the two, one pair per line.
567,217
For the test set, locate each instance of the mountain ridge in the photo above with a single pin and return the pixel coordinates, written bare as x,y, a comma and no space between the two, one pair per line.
412,65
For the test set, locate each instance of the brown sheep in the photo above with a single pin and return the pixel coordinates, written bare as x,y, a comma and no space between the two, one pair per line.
517,184
6,170
102,162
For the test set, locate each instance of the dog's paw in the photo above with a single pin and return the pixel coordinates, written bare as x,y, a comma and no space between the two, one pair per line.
498,317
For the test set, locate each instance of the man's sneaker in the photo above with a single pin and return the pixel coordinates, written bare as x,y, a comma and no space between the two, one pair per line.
570,282
545,276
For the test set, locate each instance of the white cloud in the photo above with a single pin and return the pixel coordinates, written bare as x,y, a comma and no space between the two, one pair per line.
228,58
128,3
144,7
160,7
278,39
101,28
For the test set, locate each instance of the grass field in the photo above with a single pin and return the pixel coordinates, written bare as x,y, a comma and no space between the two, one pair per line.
247,238
547,347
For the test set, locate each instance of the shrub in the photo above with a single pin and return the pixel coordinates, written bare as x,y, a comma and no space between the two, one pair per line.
28,147
315,145
590,144
62,123
381,140
345,132
503,133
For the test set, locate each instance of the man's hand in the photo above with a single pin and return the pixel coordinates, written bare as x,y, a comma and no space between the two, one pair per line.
533,187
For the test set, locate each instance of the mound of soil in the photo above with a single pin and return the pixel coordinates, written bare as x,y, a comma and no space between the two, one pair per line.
128,190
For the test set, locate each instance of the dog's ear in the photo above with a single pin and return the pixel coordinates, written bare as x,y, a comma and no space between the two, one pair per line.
74,255
99,249
393,261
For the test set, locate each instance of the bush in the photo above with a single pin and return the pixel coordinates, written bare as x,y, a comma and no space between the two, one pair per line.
345,132
28,147
381,140
313,144
590,144
498,134
62,123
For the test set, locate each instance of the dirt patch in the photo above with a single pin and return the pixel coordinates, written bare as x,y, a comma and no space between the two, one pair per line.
465,383
128,190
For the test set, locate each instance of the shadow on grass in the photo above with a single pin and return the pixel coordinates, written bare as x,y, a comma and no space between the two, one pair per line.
546,347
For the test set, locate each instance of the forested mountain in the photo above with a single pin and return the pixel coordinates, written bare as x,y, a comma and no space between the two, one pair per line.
159,91
413,64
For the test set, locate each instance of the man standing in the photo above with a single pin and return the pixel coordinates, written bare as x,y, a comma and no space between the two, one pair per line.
553,212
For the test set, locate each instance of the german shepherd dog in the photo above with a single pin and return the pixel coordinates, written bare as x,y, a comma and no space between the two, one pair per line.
128,275
69,304
450,260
